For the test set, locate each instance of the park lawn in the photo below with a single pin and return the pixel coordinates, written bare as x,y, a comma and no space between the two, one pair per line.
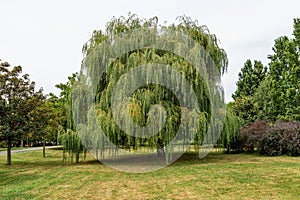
16,148
13,148
235,176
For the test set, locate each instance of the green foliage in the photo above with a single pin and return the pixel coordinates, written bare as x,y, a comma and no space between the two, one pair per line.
250,78
249,81
72,146
275,95
246,109
64,102
262,101
68,134
145,97
285,75
186,25
18,99
231,128
39,118
57,116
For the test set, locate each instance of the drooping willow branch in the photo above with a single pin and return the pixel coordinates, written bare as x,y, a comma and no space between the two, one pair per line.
193,65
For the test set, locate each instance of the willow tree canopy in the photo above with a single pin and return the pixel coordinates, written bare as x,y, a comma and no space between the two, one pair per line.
147,87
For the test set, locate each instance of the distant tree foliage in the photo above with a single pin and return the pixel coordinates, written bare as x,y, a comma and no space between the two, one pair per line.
285,75
250,78
64,102
67,133
18,101
72,145
272,94
269,105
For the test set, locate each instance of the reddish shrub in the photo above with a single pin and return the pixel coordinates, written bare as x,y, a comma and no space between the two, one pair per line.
283,138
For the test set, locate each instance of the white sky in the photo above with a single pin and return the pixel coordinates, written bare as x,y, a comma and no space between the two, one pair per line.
46,37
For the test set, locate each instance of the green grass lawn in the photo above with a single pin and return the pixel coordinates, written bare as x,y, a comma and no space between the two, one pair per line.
240,176
15,148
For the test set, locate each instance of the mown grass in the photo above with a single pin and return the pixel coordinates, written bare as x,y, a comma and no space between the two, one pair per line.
15,148
240,176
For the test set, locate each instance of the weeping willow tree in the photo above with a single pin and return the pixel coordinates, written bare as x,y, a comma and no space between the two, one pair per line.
230,130
68,136
72,145
156,79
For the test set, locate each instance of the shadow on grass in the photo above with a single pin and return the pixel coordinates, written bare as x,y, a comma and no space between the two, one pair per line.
186,159
54,160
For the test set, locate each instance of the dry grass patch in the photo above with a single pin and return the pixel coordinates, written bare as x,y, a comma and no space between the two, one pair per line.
240,176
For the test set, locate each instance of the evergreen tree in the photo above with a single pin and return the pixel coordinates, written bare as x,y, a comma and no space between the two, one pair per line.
284,77
250,78
273,95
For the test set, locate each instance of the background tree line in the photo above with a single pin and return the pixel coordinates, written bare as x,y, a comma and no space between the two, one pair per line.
267,99
28,117
264,115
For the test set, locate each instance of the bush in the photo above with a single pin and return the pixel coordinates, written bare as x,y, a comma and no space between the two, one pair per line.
283,138
248,138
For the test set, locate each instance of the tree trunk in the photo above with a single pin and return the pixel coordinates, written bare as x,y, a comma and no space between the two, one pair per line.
160,151
77,157
44,148
8,151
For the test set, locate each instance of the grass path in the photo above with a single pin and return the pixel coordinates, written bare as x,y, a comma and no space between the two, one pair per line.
240,176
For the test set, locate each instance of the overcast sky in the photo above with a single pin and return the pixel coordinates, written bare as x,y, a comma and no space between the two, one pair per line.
46,37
